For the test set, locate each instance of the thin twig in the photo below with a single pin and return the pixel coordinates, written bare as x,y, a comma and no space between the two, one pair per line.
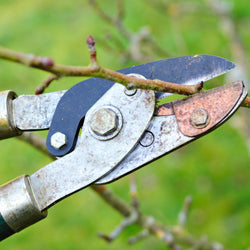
116,21
117,203
127,221
246,102
167,237
142,235
94,69
45,84
36,141
133,191
182,217
141,43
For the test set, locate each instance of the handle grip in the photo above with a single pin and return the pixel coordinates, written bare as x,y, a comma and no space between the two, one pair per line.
5,230
18,207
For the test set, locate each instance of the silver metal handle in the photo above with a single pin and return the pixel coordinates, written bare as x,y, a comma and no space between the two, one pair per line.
7,124
18,207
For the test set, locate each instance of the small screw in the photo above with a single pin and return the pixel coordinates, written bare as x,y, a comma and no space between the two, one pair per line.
199,118
103,122
147,139
58,140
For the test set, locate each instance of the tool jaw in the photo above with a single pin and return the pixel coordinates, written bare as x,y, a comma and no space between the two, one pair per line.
172,125
93,157
121,131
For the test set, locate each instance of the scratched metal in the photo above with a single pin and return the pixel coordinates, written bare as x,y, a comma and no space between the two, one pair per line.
217,103
191,70
164,109
236,107
167,137
93,158
17,204
33,112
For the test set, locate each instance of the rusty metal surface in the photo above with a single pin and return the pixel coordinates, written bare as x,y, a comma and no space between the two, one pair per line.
199,118
93,158
164,109
234,109
34,112
167,137
216,102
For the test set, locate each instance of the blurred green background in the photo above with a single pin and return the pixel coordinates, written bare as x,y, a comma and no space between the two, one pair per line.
214,170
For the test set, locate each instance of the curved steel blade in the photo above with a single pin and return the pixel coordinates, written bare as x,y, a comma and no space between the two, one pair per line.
191,70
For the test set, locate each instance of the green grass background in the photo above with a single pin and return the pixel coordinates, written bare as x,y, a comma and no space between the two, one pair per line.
214,169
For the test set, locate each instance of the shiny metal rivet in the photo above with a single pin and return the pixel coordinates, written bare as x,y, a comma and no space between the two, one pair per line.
199,118
105,123
147,139
58,140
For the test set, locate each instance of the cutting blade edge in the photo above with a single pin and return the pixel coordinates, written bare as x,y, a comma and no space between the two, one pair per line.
191,70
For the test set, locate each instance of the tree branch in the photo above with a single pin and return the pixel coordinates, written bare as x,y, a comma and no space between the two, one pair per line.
45,84
142,44
182,217
127,221
133,191
116,21
94,69
36,141
246,102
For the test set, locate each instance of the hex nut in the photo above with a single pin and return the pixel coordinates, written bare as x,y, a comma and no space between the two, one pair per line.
58,140
199,118
103,122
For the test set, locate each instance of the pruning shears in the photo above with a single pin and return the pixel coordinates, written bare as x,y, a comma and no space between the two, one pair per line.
121,131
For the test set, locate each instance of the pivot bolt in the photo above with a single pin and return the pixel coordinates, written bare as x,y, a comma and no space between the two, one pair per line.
58,140
199,118
103,122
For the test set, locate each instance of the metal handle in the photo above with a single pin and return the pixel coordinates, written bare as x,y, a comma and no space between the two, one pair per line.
18,207
7,124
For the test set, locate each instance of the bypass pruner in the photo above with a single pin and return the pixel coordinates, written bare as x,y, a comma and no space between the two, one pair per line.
121,131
